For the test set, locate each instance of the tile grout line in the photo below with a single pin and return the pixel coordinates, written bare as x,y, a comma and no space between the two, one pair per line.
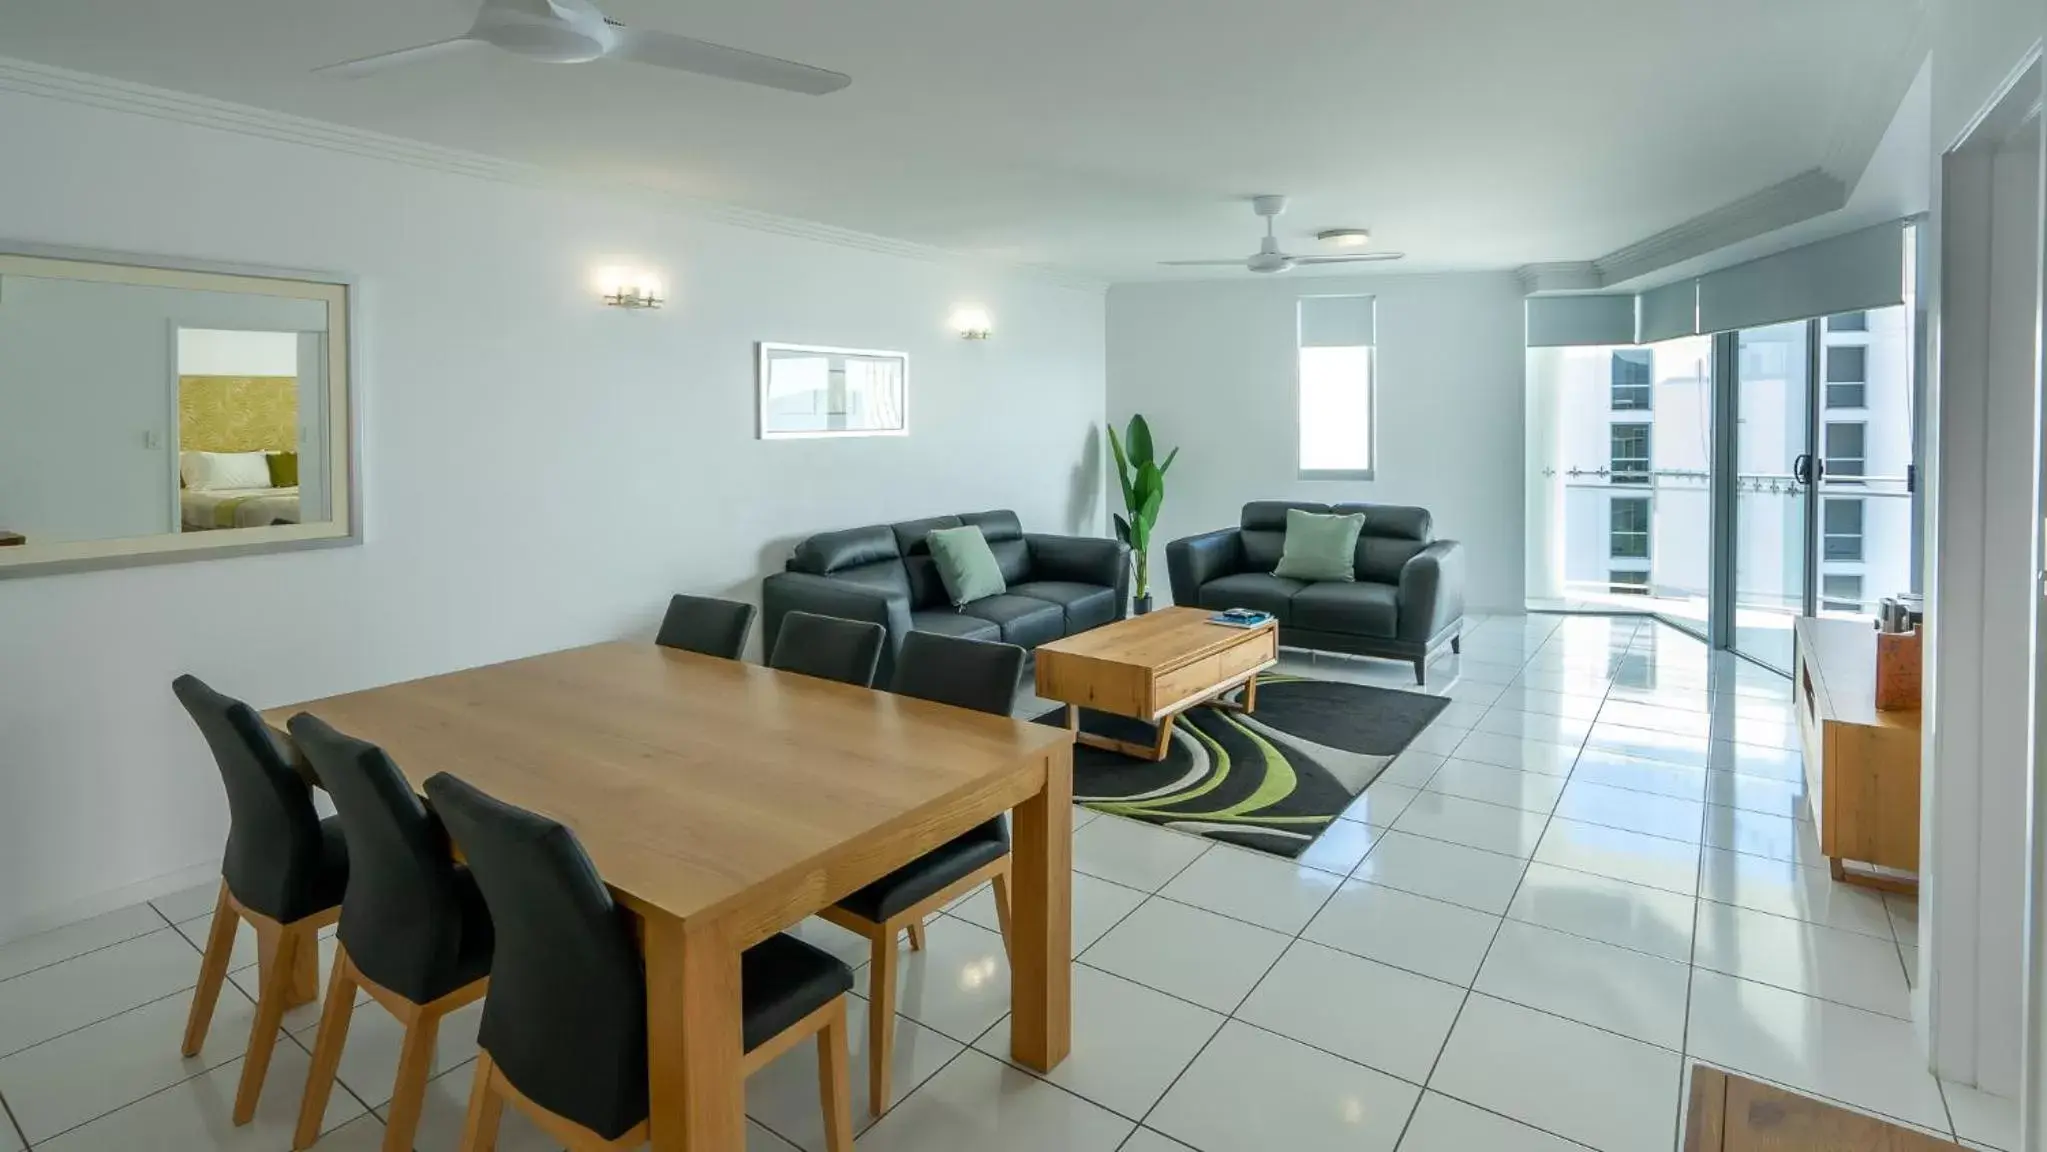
7,1110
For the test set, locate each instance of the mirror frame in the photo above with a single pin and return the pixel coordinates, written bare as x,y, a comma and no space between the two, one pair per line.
765,355
342,527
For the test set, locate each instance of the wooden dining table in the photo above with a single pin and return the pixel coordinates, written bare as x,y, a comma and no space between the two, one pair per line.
723,802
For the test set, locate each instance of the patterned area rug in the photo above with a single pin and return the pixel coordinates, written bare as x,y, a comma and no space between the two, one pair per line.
1271,780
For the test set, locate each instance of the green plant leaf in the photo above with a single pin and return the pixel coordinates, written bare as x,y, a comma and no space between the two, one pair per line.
1138,440
1122,528
1122,469
1170,457
1151,490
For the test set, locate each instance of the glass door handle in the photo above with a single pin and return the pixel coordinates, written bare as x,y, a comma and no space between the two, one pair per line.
1802,469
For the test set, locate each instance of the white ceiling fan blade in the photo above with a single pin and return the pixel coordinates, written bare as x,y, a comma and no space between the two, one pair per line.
667,50
1359,258
1239,263
351,69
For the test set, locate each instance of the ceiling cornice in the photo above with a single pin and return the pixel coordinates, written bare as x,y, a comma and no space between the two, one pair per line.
1813,192
1559,276
205,112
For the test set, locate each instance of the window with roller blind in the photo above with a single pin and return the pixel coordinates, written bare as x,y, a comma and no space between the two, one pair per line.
1336,370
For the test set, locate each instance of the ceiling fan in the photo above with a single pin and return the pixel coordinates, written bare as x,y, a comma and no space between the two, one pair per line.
576,32
1269,258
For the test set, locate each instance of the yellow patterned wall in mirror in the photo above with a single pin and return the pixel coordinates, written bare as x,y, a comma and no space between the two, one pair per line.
238,413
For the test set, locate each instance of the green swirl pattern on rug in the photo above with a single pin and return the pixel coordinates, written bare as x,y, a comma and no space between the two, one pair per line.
1272,779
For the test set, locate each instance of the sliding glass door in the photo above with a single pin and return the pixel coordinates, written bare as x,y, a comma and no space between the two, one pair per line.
1772,489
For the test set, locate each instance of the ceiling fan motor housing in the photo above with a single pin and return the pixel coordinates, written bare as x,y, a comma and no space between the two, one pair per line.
571,35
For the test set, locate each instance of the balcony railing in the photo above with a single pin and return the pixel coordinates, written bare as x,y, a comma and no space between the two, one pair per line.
1687,479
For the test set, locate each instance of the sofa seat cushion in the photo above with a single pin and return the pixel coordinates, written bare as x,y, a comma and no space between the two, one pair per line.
1260,590
947,622
1087,605
1025,622
1360,609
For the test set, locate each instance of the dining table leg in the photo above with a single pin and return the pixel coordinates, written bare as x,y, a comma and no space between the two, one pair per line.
1041,887
696,1091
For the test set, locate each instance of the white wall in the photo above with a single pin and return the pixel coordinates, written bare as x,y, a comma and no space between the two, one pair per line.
225,352
539,471
1210,364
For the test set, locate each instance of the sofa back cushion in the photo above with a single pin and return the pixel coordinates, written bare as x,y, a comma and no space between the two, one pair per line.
860,555
1264,531
1393,534
1006,539
926,589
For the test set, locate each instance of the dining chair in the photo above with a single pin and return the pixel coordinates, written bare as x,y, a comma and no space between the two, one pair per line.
828,647
283,871
414,934
564,1033
707,625
977,674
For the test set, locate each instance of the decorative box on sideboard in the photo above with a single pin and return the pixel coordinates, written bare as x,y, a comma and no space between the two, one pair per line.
1861,763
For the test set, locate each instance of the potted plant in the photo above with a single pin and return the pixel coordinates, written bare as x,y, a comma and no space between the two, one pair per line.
1144,489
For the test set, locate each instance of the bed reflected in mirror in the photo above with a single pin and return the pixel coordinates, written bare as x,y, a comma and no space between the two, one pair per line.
152,413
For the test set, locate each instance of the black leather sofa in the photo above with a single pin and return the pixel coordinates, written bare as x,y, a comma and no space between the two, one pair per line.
1058,585
1407,602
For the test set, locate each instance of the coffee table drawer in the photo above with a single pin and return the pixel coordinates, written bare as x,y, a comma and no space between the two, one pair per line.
1259,648
1203,676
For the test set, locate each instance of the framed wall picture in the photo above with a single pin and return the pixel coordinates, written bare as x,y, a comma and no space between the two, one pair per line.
808,392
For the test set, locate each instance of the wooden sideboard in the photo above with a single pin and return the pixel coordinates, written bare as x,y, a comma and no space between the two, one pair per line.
1861,764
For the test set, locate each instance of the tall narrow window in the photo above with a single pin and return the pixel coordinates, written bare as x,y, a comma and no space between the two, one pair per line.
1842,520
1841,593
1846,455
1631,383
1629,457
1628,583
1848,322
1628,528
1847,376
1337,415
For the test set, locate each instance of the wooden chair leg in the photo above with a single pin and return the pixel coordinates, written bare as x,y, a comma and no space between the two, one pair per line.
1001,885
220,946
333,1037
270,1005
881,1018
916,935
834,1081
415,1065
486,1107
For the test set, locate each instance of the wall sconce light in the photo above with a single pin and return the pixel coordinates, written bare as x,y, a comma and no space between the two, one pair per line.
971,322
629,288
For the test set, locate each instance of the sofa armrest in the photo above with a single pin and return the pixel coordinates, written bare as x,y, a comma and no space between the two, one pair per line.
1079,559
1431,591
1195,560
786,592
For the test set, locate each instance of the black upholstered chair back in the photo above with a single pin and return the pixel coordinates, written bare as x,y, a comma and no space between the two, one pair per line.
274,843
829,648
566,1019
402,918
703,624
977,674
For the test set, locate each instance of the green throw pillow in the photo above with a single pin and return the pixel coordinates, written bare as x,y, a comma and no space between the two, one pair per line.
284,469
1319,546
966,564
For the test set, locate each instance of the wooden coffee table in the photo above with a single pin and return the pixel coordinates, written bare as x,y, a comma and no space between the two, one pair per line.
1153,667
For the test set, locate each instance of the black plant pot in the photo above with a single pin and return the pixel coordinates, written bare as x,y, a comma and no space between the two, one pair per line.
1139,605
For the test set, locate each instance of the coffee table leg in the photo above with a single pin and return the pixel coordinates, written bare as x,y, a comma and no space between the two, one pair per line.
1251,693
1165,741
1073,718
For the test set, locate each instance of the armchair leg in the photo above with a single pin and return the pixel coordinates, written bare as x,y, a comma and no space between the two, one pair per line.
1421,670
1457,644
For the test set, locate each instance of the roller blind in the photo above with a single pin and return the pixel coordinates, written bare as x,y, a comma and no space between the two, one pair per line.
1568,321
1336,321
1852,273
1669,312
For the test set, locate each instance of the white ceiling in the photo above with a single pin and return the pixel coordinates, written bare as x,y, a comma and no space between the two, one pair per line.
1102,136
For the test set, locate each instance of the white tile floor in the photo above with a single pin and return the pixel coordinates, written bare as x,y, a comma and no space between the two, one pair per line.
1595,868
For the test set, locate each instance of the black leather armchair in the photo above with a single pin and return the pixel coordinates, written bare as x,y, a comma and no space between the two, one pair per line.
1406,604
884,574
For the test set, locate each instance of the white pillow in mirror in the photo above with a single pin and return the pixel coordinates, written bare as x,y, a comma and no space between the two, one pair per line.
212,471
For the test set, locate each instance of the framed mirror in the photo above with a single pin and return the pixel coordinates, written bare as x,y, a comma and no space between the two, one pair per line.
152,412
808,392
